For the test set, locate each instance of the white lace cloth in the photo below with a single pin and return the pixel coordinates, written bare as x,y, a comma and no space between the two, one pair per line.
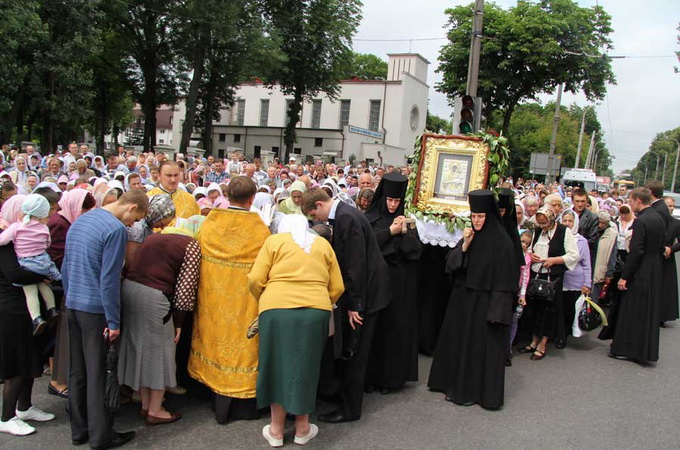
437,234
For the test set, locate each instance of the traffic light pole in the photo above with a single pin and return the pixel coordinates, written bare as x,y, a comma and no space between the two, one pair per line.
550,177
475,49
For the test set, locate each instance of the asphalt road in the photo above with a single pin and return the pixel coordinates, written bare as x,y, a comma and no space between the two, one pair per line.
576,398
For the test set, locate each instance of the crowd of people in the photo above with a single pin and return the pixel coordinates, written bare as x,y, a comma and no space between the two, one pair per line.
276,287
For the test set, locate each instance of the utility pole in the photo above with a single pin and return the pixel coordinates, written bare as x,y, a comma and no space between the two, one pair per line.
475,49
645,182
675,170
580,138
663,174
656,172
590,151
553,139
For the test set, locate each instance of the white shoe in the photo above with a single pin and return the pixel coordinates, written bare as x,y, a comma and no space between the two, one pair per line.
272,440
176,390
313,432
34,414
16,427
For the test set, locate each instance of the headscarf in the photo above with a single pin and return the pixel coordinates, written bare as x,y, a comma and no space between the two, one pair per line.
520,205
337,193
35,206
100,192
71,204
115,184
160,207
11,209
48,184
548,214
574,229
62,179
393,185
220,202
202,191
288,206
298,227
506,199
492,265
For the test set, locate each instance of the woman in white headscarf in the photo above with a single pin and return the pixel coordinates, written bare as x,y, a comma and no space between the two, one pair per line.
19,175
337,193
264,206
296,280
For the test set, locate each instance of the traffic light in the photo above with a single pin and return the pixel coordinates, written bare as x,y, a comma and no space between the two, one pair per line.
467,114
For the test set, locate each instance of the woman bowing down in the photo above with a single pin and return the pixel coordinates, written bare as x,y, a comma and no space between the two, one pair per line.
469,360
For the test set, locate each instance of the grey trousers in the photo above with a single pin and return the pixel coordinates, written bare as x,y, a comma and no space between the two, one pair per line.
87,379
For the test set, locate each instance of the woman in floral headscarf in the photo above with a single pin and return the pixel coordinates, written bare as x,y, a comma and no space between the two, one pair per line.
553,251
161,213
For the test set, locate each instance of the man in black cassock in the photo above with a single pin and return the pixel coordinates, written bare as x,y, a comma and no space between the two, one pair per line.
669,300
636,333
366,279
394,353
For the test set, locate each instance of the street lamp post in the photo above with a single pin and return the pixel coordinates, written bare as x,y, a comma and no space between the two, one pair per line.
663,174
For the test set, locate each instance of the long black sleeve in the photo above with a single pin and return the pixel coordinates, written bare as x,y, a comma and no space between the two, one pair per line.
637,251
13,272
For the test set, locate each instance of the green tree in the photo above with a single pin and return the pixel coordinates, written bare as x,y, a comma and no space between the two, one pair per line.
527,50
436,124
663,146
530,131
315,38
156,68
366,67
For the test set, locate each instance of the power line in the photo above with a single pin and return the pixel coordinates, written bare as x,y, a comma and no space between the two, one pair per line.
401,40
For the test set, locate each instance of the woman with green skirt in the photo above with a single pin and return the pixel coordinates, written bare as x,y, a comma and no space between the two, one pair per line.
296,279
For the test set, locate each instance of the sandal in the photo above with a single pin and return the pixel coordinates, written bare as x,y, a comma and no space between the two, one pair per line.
59,393
527,349
538,355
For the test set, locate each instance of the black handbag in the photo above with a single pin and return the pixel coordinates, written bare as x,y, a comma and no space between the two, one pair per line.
589,318
541,290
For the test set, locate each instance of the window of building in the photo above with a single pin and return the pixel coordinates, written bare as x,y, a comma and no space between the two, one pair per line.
344,112
318,142
264,112
258,151
275,150
237,138
374,116
161,141
223,137
241,111
297,150
221,152
316,113
162,130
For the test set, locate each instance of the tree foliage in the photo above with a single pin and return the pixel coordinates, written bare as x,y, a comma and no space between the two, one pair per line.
663,146
366,66
530,131
527,50
435,124
315,38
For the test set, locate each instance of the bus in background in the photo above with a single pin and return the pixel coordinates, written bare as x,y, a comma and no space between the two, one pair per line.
624,186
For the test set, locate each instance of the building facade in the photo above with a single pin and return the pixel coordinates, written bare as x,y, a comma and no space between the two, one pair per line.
374,120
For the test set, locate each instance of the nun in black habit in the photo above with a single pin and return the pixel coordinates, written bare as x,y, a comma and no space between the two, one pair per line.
394,355
469,361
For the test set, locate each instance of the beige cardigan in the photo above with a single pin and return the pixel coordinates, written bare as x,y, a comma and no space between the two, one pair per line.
604,250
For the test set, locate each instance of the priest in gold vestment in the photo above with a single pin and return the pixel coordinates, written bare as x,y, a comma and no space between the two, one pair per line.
185,203
222,357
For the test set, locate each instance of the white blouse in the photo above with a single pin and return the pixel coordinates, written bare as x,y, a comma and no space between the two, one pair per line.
571,257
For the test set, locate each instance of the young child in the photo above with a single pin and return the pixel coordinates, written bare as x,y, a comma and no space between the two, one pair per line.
31,239
524,275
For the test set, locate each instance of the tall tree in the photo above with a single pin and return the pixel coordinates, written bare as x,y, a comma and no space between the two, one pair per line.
315,37
527,50
366,66
156,67
663,146
436,124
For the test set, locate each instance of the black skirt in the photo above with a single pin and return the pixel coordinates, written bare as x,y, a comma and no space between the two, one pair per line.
21,353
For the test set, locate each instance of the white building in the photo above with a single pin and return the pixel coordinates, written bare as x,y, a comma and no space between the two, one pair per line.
374,120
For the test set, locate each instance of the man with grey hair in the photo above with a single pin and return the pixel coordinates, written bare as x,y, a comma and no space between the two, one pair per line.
131,165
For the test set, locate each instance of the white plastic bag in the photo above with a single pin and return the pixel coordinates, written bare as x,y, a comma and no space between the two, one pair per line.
576,331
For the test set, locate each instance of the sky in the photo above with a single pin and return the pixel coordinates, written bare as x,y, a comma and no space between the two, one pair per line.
645,101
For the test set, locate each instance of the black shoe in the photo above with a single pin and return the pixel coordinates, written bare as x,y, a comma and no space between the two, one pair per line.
662,324
80,441
52,315
369,389
53,391
119,439
560,343
469,403
508,362
385,391
39,325
619,357
336,416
